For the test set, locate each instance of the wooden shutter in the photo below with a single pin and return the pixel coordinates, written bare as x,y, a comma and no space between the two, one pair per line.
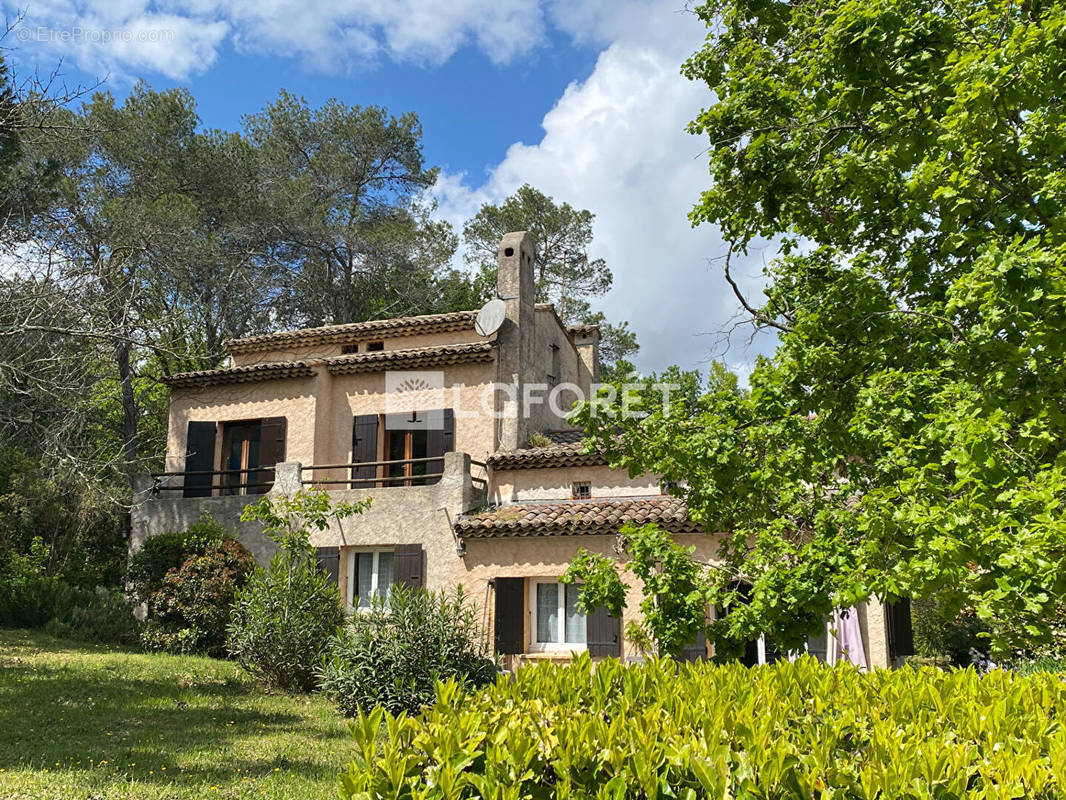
603,633
364,448
900,632
439,441
329,562
407,566
271,451
697,651
510,615
199,457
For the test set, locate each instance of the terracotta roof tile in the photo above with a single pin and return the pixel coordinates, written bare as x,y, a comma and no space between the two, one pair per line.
255,372
355,331
564,518
566,450
413,358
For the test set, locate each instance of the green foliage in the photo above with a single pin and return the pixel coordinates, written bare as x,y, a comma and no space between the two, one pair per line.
107,619
906,437
30,598
790,730
936,635
283,621
157,555
674,587
190,611
394,656
188,582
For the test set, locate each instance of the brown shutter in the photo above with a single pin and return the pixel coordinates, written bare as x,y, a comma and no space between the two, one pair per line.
439,440
364,448
603,633
900,631
271,451
697,651
510,615
329,562
199,457
407,566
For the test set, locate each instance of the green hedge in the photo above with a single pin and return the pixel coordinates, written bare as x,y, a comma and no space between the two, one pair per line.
662,730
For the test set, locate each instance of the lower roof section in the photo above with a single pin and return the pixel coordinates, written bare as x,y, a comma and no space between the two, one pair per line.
569,518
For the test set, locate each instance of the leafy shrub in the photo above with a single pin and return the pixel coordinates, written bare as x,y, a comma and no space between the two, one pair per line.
162,553
188,582
394,656
107,618
29,598
283,620
660,729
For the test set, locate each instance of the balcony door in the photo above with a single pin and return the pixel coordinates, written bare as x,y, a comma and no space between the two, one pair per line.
415,441
250,449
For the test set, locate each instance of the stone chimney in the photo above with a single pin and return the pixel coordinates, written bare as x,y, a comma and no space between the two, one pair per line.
515,339
587,341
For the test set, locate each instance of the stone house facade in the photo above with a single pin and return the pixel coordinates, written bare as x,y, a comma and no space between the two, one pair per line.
433,422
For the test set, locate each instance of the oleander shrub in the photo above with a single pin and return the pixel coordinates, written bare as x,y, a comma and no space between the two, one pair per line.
188,582
668,730
283,621
393,656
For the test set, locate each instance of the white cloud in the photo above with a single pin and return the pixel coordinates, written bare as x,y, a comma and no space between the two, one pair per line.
616,144
178,38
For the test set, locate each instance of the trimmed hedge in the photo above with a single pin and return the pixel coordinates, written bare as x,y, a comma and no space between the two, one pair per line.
789,730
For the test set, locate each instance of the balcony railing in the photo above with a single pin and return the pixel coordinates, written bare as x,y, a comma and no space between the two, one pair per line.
233,482
394,472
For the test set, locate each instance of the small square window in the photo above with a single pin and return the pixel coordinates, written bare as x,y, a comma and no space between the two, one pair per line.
348,349
373,347
669,487
581,490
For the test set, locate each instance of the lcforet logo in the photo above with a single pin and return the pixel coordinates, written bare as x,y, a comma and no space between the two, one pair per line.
414,400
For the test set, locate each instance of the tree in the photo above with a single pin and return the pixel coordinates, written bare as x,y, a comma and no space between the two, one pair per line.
565,276
906,438
347,211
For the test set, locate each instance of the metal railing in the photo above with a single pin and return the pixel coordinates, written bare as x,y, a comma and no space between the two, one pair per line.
381,477
241,486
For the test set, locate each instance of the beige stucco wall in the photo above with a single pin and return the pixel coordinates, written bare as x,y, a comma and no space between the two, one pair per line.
520,485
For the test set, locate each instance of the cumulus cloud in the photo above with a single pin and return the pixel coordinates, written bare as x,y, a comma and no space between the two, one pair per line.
616,144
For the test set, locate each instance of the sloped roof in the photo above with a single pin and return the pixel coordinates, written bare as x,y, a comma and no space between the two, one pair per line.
254,372
355,331
412,358
564,451
572,518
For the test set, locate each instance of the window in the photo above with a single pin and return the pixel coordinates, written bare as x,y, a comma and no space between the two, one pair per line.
370,575
348,349
250,449
669,487
373,347
581,490
556,623
556,368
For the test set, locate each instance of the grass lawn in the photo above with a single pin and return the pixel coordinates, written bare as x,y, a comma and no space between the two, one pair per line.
82,721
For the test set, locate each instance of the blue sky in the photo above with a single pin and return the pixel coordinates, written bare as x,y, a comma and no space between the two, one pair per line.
581,98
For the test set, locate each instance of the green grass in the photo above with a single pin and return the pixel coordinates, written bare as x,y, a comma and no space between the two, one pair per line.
82,721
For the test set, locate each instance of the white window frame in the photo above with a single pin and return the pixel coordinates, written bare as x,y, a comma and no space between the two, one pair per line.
353,552
552,647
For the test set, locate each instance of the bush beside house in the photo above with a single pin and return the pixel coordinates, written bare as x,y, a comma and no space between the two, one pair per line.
394,656
188,582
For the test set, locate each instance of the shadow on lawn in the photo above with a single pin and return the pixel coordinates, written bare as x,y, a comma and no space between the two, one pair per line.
68,713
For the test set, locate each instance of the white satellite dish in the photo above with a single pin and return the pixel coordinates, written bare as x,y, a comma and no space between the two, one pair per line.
490,317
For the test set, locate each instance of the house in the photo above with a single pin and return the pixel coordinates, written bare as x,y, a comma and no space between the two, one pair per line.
433,421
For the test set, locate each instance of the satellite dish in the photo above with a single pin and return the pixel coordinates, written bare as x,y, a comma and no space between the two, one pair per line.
490,317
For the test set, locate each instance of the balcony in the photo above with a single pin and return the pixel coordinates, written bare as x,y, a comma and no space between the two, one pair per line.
426,490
